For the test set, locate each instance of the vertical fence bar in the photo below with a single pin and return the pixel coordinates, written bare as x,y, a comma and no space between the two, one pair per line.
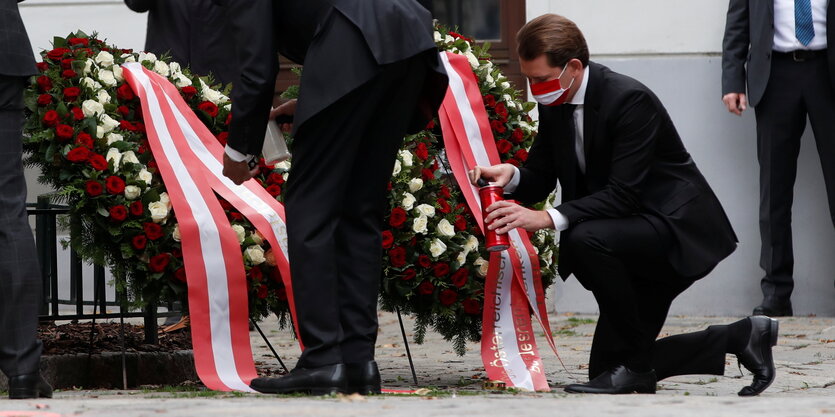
98,288
76,282
151,336
43,251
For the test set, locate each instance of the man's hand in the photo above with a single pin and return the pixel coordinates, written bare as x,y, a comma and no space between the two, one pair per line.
504,216
498,175
238,172
735,102
285,109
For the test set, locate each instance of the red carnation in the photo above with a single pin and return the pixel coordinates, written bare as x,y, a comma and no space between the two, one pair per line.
152,230
118,213
274,190
398,217
208,107
460,223
44,99
471,306
115,185
443,206
397,256
425,288
222,137
139,241
79,154
440,269
448,297
460,277
93,188
42,66
521,155
125,93
159,262
424,261
498,126
77,113
50,118
409,274
422,151
123,110
64,132
78,41
97,162
71,93
503,146
69,74
136,208
180,274
188,91
388,239
518,135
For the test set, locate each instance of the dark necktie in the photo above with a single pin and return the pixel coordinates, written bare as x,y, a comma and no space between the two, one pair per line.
804,30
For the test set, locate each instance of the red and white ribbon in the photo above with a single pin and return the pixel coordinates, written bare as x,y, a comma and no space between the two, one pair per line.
513,287
190,161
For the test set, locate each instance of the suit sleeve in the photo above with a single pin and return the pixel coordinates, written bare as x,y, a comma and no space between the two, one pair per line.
538,177
251,23
735,47
635,135
140,6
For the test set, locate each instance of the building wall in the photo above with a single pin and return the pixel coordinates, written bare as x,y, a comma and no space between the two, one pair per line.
674,47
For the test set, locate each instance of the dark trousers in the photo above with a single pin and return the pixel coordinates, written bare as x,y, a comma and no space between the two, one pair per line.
20,276
623,263
342,162
795,90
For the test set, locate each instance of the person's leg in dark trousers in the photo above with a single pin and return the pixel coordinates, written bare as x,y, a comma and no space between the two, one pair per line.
20,275
781,119
819,95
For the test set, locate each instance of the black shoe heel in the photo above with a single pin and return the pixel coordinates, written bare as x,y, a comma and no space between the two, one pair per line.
775,325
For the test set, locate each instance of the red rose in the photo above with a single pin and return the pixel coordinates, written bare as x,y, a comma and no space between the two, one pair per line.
118,213
115,185
136,208
222,137
78,41
262,291
503,146
124,92
209,108
281,294
518,135
498,126
409,274
126,125
152,165
430,125
71,93
77,113
64,132
97,162
274,190
458,36
448,297
66,63
490,100
84,139
424,261
425,288
275,178
188,92
79,154
460,277
501,110
57,53
42,66
44,83
180,275
513,162
139,241
255,273
422,151
521,155
471,306
228,119
50,118
123,110
44,99
397,256
69,74
398,217
152,230
94,188
460,223
445,192
388,239
159,262
443,206
440,269
176,253
427,174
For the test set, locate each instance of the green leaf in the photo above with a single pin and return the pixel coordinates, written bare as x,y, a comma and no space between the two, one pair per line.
49,154
59,42
62,109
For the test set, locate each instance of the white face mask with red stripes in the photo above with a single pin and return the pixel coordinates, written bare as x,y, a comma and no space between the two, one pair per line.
551,93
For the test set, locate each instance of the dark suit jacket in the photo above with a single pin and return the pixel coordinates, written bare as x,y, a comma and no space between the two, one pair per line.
749,40
15,49
337,59
636,164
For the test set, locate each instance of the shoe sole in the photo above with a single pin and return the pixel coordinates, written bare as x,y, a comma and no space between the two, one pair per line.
640,390
21,395
366,390
310,391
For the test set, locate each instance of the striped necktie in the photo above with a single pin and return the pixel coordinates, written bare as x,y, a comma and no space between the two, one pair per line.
803,28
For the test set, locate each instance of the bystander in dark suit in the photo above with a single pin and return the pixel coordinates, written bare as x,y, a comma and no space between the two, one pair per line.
371,75
20,275
780,49
639,223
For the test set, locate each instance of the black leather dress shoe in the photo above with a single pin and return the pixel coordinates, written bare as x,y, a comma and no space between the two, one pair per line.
756,357
774,309
363,378
324,380
29,386
620,380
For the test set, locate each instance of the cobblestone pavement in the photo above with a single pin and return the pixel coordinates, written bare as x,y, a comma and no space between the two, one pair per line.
805,385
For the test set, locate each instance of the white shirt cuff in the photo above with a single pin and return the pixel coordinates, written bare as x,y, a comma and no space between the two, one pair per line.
235,155
514,181
560,221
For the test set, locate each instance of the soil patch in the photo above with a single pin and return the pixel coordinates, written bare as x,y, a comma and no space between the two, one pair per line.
73,338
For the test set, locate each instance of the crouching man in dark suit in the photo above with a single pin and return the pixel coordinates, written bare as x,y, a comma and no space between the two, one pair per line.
639,224
372,74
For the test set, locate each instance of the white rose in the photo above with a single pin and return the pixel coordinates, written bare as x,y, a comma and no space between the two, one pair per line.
146,176
426,210
472,58
449,39
163,198
461,258
91,108
209,94
99,132
419,225
114,155
408,201
147,56
161,68
438,36
436,248
240,232
175,67
444,228
257,238
118,73
132,192
482,266
396,168
88,66
415,184
175,234
490,81
255,254
113,138
547,256
107,78
129,158
107,123
158,210
471,244
228,107
180,80
406,156
105,59
505,85
90,83
285,165
102,97
129,57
